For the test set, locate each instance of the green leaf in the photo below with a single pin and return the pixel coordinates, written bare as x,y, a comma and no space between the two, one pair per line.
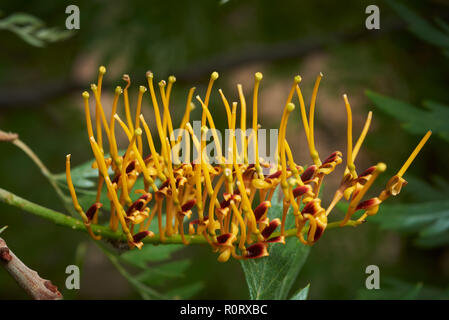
272,277
420,27
150,253
301,294
429,220
415,120
159,274
32,31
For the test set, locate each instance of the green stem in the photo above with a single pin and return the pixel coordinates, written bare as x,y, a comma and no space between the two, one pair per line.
75,224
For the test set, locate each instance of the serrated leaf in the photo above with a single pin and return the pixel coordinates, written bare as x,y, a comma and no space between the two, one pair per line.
301,294
150,253
272,277
415,120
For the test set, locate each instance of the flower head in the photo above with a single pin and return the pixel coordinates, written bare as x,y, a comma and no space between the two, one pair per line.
226,197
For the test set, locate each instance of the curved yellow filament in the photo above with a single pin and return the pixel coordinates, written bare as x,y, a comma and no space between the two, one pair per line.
154,154
350,163
243,123
303,113
414,154
87,114
313,151
362,136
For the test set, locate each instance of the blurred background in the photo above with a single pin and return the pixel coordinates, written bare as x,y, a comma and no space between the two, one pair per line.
400,72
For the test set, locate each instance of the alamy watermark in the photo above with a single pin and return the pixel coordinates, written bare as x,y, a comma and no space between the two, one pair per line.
373,280
73,20
373,19
235,146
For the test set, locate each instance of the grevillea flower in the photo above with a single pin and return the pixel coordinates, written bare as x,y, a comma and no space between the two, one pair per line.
225,198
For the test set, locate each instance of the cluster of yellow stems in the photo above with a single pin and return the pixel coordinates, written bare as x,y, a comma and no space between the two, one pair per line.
233,197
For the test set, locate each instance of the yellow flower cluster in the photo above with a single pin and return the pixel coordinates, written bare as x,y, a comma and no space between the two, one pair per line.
230,194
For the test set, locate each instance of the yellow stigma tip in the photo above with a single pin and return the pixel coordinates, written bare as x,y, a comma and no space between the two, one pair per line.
138,132
142,89
149,74
118,90
258,76
214,75
381,167
162,83
298,79
93,87
85,95
172,79
102,70
290,107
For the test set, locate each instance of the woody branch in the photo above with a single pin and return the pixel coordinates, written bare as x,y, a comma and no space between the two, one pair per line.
30,281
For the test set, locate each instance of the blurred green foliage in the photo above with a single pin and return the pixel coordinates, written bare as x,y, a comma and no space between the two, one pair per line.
32,30
193,38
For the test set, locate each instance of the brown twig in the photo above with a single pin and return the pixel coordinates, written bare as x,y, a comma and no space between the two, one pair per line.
30,281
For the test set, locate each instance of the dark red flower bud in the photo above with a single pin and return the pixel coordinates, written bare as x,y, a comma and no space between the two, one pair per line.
308,174
165,184
275,175
225,239
368,204
334,156
299,191
116,178
255,251
90,213
225,203
188,205
266,233
141,235
318,233
368,171
278,239
261,209
131,166
312,207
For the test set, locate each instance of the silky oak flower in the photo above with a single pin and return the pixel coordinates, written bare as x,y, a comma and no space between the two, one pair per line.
225,197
